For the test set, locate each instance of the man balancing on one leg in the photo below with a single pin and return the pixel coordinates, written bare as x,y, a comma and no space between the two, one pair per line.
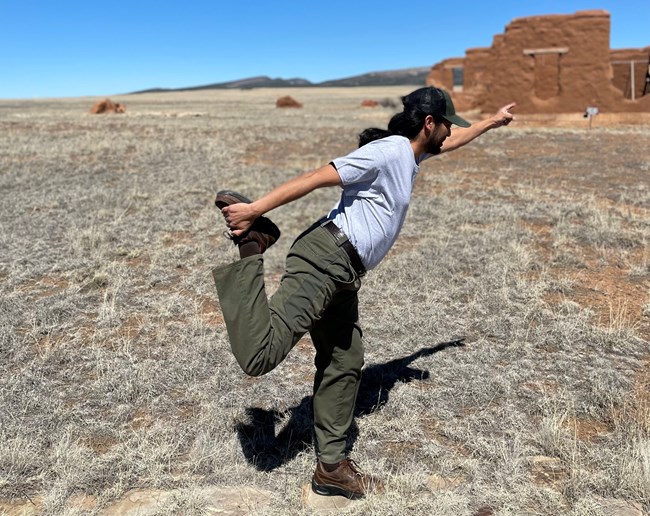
318,292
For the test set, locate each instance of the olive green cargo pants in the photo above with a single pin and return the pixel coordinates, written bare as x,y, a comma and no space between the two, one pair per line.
317,294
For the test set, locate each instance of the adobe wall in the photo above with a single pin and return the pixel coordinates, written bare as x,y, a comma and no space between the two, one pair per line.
621,68
546,64
442,73
476,64
477,69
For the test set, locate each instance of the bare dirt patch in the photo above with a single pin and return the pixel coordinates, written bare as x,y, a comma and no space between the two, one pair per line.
44,286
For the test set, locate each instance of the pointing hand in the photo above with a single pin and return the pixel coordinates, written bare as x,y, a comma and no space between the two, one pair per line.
504,116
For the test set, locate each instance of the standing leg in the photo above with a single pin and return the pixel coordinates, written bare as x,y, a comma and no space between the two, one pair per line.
339,359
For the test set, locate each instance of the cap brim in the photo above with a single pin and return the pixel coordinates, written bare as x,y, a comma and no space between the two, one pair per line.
456,120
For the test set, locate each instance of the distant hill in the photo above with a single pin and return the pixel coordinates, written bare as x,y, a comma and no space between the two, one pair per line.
406,76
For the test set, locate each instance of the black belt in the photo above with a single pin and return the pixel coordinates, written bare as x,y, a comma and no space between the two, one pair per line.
344,243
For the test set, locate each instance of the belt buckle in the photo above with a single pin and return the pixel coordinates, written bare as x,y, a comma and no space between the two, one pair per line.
340,237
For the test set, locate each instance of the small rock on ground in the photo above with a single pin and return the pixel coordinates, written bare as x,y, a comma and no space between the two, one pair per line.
614,507
231,501
440,483
323,504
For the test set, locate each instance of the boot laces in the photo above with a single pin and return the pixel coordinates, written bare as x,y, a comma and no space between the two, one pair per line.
354,467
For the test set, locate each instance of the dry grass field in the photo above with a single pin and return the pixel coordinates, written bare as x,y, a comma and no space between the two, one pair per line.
507,333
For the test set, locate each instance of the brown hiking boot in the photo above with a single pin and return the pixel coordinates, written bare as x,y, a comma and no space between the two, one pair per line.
263,232
261,235
346,480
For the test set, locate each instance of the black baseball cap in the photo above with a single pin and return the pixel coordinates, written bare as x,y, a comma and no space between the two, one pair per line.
436,102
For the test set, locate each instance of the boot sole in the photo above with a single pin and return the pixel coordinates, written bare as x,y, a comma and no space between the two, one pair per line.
235,197
327,490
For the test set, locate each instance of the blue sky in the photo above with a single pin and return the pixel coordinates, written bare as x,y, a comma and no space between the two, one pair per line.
73,48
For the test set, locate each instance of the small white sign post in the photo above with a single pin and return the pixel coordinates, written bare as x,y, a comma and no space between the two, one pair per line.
590,112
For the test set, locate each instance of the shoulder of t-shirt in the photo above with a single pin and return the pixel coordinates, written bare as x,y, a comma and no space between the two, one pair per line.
393,139
381,149
392,144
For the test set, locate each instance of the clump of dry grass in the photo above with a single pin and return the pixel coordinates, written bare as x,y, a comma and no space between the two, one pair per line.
506,333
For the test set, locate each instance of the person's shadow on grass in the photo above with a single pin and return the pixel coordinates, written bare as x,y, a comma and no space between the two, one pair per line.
267,451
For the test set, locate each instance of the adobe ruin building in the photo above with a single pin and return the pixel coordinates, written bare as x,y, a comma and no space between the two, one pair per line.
549,64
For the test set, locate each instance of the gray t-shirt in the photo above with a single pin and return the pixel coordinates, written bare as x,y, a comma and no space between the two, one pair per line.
377,184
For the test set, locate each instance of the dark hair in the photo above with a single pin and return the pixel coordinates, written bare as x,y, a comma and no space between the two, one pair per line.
408,123
371,134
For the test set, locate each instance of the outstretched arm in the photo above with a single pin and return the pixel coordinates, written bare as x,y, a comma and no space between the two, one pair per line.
462,136
240,217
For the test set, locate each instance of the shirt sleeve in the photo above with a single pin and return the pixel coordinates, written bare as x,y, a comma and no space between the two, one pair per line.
361,165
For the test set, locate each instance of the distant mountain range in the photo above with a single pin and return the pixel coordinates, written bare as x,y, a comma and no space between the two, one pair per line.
406,76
